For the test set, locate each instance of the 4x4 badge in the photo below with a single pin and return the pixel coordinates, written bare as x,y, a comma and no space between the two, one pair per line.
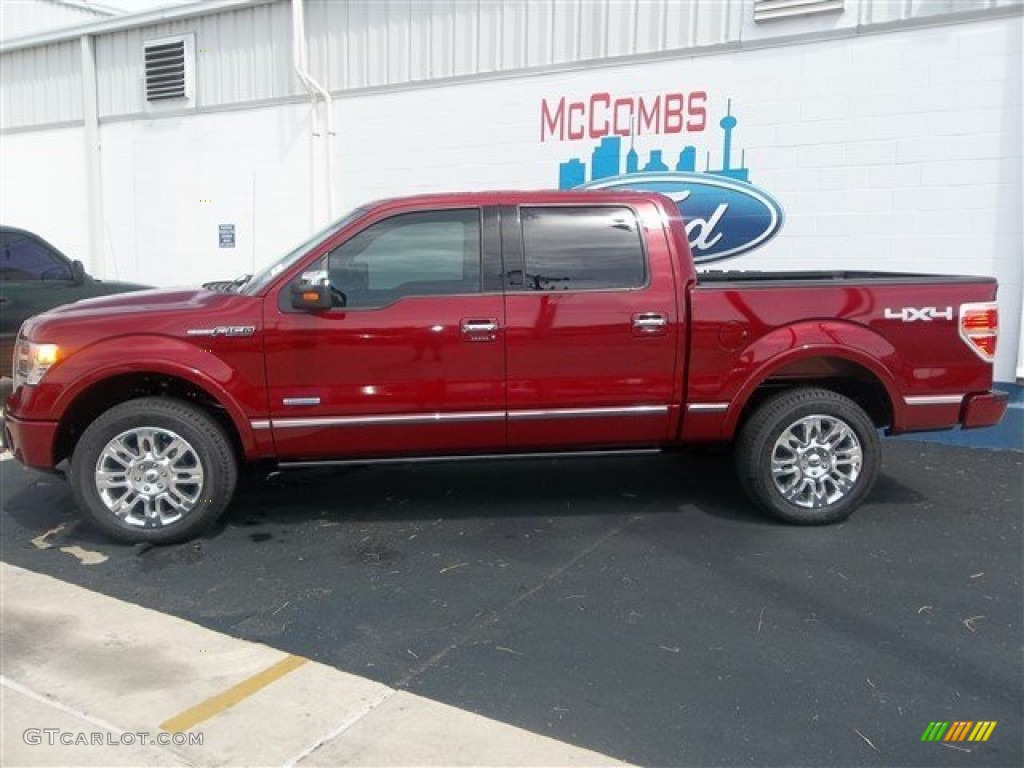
911,314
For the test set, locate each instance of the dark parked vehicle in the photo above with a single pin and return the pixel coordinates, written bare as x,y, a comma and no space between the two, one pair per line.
35,277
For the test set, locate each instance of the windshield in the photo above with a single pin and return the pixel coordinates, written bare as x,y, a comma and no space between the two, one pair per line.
265,276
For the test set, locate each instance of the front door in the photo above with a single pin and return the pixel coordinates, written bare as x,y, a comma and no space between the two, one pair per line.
409,361
593,327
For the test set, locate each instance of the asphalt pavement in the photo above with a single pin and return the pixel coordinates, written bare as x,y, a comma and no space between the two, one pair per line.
635,607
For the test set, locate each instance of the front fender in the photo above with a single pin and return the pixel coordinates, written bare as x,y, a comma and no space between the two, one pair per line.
239,388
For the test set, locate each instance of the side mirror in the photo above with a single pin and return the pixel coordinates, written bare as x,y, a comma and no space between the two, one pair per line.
311,298
77,272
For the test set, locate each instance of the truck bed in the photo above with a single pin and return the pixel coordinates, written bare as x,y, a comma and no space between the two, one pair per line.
757,278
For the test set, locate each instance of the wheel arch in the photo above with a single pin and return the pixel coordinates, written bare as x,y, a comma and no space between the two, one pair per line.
847,371
114,387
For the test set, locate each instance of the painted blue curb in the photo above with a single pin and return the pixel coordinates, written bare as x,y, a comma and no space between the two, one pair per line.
1007,435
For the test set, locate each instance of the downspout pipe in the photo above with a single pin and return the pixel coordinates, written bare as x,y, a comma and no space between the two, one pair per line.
93,169
316,91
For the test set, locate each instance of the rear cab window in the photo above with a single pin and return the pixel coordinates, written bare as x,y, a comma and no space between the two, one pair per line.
581,248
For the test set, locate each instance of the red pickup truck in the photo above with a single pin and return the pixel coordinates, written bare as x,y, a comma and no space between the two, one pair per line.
495,325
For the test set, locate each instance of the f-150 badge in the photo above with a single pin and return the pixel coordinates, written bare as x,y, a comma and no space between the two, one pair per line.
913,314
223,330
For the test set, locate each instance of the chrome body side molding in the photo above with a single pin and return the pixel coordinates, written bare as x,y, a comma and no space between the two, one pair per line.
707,407
934,399
459,416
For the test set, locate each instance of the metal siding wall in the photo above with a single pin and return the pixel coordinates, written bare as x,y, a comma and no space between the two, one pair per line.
119,67
245,55
241,56
20,18
487,38
371,43
465,29
879,12
41,86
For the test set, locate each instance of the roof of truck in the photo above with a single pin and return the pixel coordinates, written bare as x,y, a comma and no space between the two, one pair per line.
519,197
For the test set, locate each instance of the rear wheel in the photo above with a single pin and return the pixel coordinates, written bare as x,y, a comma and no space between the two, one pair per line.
153,470
808,456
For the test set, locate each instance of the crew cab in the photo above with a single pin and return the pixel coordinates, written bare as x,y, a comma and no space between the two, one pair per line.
493,325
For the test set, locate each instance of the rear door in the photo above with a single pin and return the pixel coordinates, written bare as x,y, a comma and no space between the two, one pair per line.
410,360
592,326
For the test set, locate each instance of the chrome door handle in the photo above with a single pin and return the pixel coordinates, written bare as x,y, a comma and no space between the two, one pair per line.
480,330
649,323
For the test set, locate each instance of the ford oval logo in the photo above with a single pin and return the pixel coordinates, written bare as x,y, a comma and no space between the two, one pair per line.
724,217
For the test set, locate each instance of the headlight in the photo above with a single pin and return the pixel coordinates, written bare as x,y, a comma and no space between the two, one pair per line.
32,361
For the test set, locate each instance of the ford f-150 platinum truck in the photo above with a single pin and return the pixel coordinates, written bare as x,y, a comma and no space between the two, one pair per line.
487,325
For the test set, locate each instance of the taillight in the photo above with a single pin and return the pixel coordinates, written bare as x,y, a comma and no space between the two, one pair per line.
979,328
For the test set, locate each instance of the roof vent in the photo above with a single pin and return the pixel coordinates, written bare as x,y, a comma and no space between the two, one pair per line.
169,68
770,10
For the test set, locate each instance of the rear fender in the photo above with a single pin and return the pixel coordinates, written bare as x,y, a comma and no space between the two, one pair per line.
805,341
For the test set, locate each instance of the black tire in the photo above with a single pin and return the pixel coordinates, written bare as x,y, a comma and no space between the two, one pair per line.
208,448
816,484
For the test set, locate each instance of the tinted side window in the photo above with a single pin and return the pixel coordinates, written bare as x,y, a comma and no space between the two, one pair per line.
23,258
582,248
430,253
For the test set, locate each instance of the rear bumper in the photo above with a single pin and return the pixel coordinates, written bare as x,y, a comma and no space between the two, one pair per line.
932,413
983,410
31,442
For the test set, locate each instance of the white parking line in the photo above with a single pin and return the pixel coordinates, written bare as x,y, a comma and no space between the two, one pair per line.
370,706
50,701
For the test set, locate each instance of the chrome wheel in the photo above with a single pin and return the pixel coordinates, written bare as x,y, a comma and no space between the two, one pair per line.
149,477
816,461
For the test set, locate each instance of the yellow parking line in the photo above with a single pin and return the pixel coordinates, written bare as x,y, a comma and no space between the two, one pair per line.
204,710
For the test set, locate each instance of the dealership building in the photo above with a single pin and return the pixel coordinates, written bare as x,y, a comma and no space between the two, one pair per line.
199,142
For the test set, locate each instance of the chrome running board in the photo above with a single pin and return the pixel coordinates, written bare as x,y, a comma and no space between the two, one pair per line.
469,457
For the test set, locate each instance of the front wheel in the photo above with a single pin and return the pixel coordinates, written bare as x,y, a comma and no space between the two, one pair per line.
153,470
808,456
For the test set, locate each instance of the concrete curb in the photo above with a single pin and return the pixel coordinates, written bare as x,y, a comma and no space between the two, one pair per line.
94,669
